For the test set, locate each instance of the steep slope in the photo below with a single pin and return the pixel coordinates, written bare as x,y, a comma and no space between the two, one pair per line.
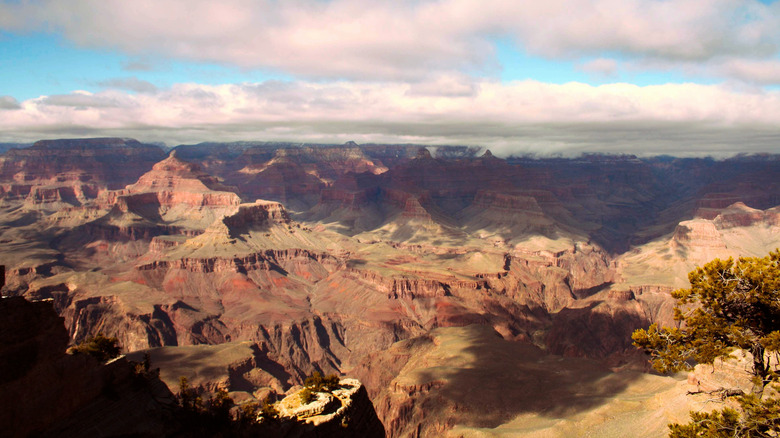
52,174
735,231
173,192
57,394
296,175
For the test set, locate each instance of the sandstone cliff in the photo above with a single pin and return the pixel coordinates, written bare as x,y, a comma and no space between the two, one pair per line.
54,173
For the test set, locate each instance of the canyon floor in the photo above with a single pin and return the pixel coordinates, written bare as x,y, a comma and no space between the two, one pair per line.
472,295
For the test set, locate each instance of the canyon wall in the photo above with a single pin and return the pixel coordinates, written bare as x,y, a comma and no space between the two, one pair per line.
326,258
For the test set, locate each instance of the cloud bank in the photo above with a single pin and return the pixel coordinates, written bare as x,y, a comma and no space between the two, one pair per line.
510,118
413,40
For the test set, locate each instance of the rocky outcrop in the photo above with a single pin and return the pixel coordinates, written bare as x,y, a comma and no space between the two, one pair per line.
372,245
67,395
554,280
698,233
120,233
417,288
709,233
597,330
57,394
61,195
408,203
507,202
174,198
260,215
171,183
709,206
173,174
297,174
347,198
471,377
346,411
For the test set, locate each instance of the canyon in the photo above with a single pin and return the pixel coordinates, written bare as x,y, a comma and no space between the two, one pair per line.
471,295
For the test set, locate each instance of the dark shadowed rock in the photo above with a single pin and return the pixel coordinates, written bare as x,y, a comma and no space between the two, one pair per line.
51,393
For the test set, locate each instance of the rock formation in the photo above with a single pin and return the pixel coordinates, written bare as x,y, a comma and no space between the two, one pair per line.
55,173
51,393
345,411
67,395
324,258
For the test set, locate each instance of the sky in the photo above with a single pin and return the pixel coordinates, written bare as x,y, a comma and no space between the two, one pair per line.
679,77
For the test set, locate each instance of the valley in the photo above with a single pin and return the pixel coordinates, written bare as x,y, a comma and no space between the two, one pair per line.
472,295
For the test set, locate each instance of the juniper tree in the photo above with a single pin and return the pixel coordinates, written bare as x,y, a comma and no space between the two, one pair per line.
731,305
100,347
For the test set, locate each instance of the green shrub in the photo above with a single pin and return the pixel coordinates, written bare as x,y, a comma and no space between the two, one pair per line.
188,397
731,305
306,395
331,382
317,383
314,381
218,406
100,347
268,409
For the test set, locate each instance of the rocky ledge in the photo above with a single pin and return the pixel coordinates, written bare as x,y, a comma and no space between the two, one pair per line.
346,411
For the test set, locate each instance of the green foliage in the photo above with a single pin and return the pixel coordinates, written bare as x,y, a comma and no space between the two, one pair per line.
758,418
100,347
306,395
218,407
247,417
188,397
314,381
730,305
214,417
268,410
144,368
317,383
715,425
331,382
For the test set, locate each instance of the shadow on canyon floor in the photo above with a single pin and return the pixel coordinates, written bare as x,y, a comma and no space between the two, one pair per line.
473,377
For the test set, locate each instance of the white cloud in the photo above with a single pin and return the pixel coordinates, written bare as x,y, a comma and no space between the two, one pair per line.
685,29
526,116
409,40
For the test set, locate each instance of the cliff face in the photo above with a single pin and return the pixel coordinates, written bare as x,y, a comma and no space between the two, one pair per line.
110,162
63,395
54,173
174,191
56,394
